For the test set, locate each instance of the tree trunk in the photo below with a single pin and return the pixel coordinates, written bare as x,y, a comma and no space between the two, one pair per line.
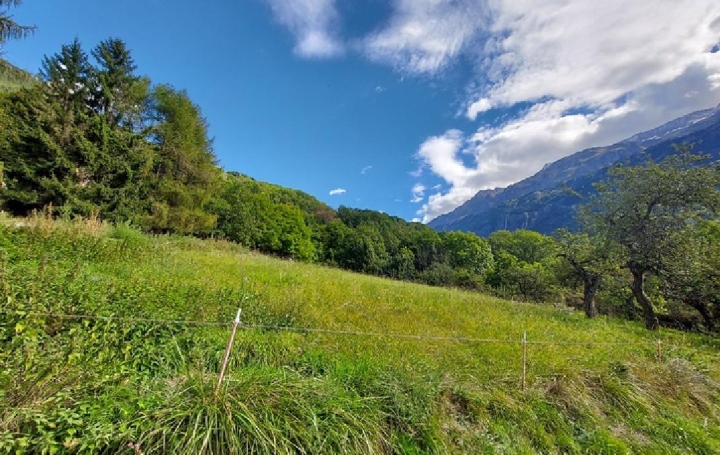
591,284
651,320
702,308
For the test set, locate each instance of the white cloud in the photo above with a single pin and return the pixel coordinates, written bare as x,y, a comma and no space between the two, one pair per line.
366,169
441,154
592,73
417,172
423,36
593,53
439,203
418,193
481,105
313,23
380,89
338,191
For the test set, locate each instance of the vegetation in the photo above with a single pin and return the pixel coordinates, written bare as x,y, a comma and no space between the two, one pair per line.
95,358
9,29
12,78
695,277
133,385
591,258
651,212
98,139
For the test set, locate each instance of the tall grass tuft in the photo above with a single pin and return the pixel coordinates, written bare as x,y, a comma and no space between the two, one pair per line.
261,411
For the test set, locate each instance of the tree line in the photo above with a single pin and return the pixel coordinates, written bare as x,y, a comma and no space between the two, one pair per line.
92,137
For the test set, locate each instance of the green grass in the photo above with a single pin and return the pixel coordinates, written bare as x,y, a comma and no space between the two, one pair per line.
96,386
13,78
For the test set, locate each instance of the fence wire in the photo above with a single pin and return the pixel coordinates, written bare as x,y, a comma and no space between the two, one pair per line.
279,328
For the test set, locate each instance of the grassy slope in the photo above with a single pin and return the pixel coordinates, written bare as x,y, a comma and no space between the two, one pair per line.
97,386
13,78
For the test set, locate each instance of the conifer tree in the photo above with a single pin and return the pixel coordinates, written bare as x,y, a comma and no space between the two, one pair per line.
67,76
119,94
9,29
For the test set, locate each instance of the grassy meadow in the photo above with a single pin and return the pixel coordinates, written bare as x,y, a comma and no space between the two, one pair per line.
71,385
13,78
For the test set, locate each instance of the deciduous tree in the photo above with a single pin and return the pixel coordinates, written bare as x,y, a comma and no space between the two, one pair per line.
650,210
590,258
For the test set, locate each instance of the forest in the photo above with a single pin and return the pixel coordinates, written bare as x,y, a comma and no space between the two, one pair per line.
91,137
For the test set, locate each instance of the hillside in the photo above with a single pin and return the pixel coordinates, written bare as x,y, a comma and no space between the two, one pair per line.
94,356
543,203
13,78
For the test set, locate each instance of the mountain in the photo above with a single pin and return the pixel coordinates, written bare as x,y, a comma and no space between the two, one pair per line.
547,200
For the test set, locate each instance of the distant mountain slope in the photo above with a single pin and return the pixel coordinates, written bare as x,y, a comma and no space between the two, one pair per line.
547,200
13,78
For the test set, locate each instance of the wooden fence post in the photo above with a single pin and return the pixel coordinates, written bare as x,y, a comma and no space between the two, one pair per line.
228,349
524,360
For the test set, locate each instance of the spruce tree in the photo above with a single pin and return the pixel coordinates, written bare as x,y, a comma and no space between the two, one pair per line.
119,94
9,29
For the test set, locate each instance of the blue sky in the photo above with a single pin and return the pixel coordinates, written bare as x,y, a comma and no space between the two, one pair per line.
409,106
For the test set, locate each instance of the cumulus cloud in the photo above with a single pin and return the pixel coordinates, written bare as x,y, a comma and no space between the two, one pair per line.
441,154
338,191
313,23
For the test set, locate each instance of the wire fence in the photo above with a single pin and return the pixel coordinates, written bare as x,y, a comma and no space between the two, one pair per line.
237,324
281,328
